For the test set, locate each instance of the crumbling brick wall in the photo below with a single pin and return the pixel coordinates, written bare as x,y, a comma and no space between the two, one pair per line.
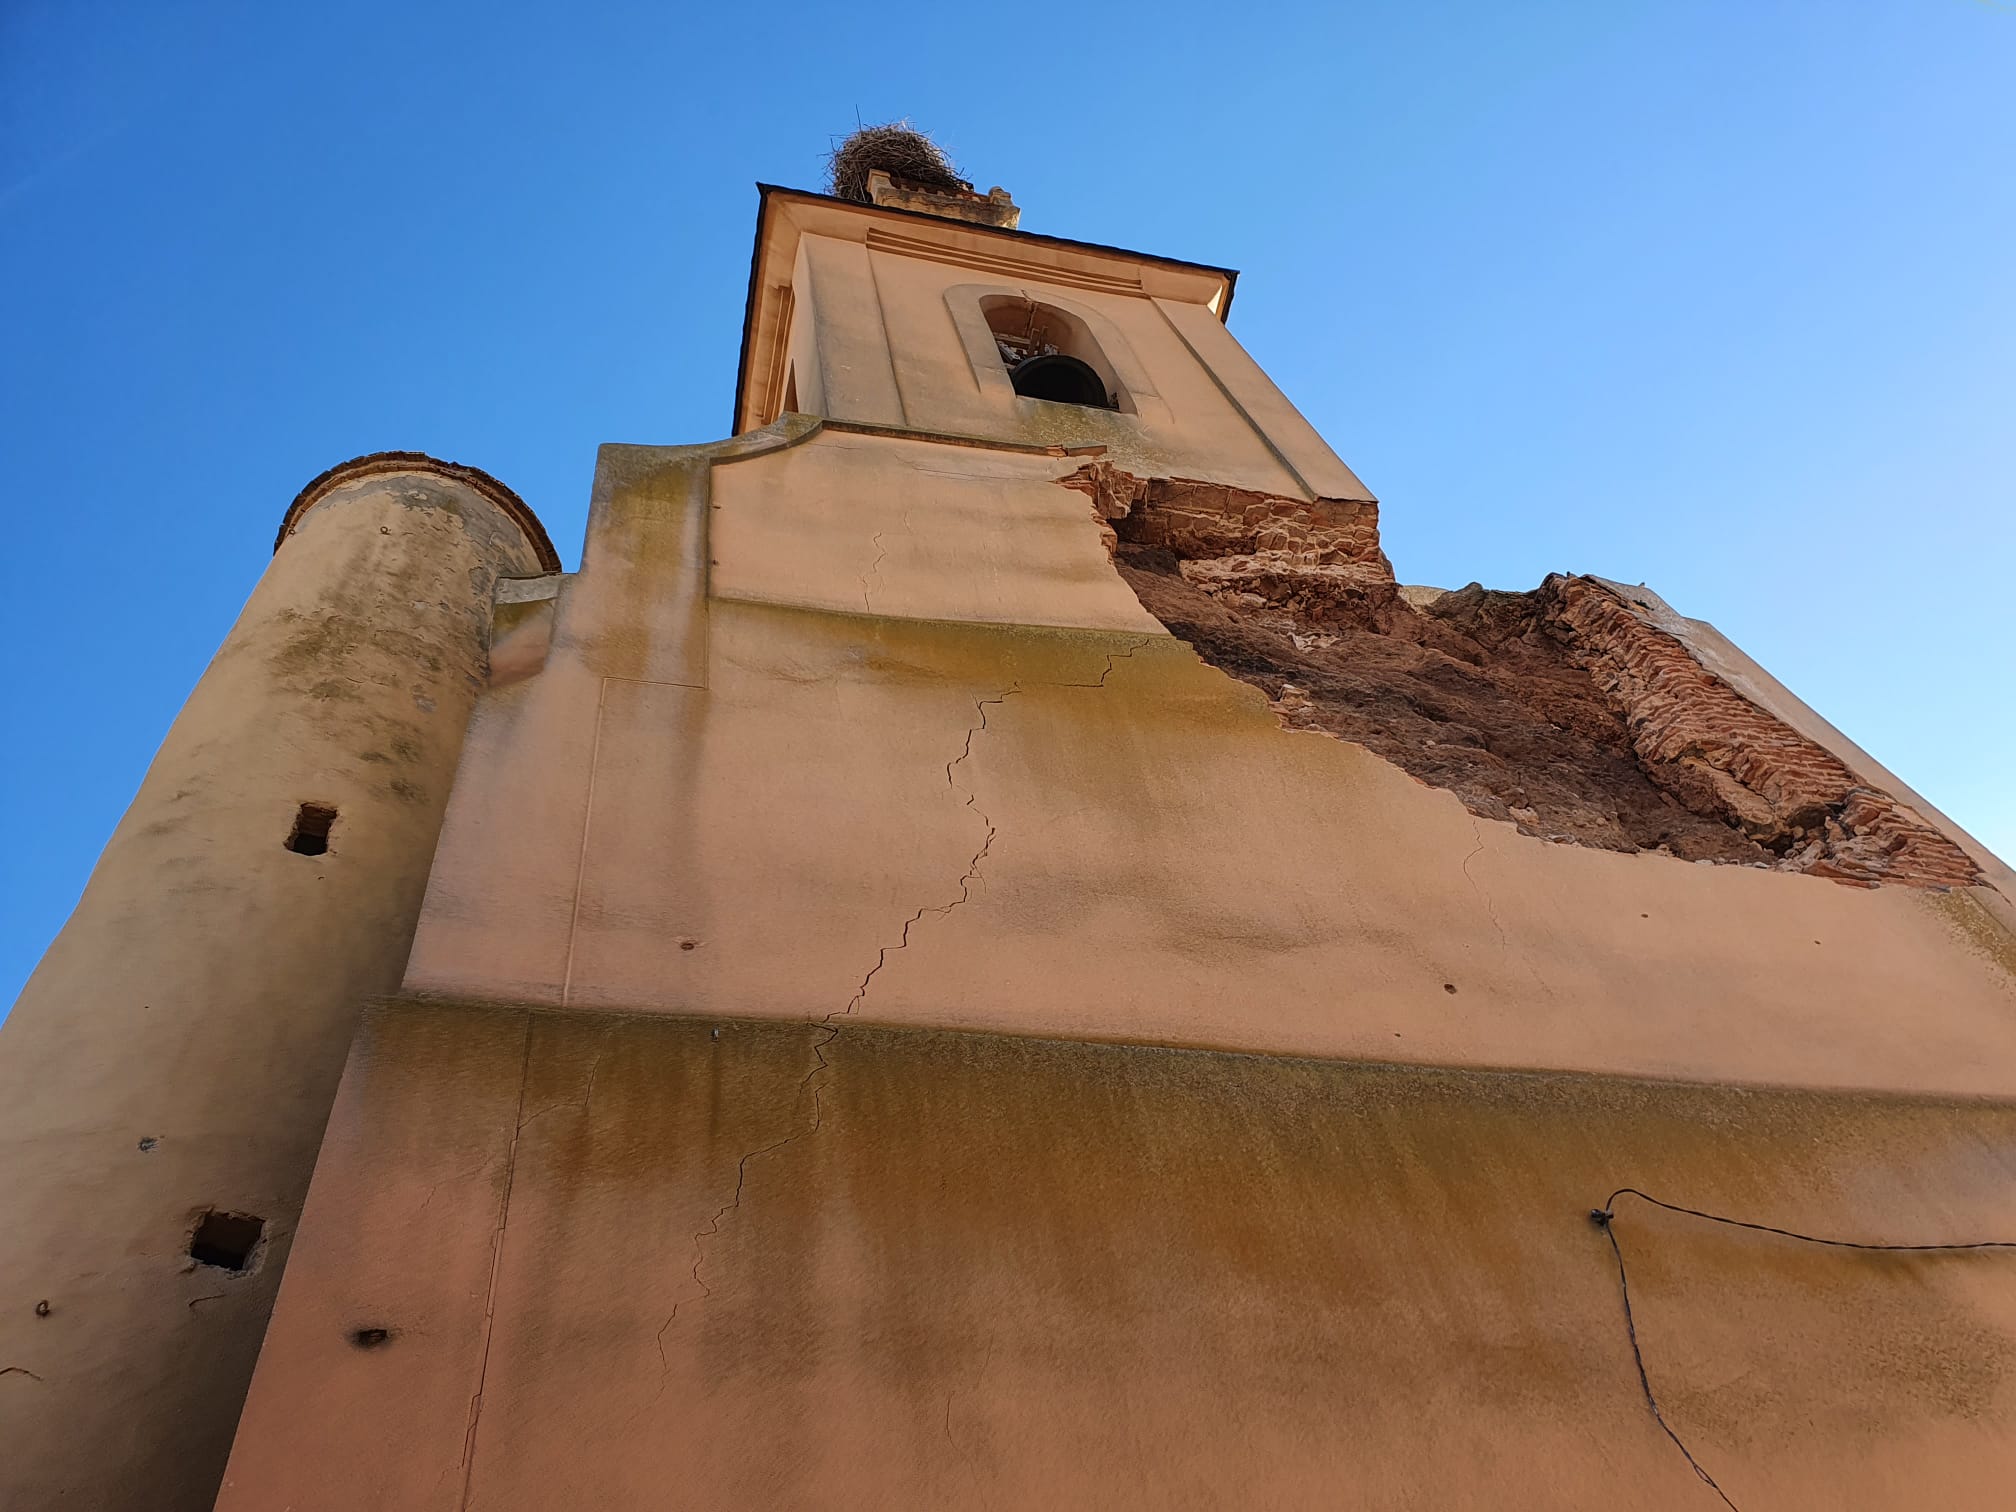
1720,754
1562,710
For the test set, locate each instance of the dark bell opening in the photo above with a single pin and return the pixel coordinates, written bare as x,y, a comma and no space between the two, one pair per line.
1063,379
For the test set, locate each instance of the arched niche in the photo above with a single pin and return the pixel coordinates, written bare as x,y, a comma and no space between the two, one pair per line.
984,313
1058,348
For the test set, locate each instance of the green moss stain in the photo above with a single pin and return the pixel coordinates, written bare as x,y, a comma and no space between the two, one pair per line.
1982,932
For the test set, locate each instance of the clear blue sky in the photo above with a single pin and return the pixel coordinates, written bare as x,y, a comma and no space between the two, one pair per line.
1718,296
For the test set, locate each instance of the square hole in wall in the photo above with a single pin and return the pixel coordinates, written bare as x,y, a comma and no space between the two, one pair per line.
310,835
226,1240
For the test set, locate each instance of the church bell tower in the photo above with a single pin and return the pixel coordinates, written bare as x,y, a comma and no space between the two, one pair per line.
984,951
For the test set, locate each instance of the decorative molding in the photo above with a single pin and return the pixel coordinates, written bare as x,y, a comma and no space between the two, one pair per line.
1011,267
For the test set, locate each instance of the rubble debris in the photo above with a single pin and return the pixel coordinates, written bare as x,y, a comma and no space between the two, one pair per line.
1559,710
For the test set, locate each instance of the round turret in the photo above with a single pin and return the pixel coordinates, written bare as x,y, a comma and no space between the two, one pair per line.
166,1074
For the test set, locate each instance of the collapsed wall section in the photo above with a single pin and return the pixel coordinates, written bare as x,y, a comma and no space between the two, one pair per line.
1561,710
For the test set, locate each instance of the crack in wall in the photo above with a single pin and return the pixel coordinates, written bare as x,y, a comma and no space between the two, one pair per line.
496,1270
1477,833
577,1104
587,829
458,1176
1491,910
972,1387
712,1228
831,1029
830,1025
972,873
874,571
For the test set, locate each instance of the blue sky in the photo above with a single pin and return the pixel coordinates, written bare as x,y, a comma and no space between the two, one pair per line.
1717,296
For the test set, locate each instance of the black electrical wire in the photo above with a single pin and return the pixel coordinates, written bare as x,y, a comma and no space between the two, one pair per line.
1601,1217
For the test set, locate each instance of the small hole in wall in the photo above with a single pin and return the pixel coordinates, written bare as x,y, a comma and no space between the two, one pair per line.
226,1240
310,835
1449,987
370,1338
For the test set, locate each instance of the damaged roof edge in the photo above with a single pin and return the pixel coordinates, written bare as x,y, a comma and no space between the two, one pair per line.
765,191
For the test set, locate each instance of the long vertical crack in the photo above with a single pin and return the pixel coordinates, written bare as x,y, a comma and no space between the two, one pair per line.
874,571
831,1028
496,1269
1484,897
830,1024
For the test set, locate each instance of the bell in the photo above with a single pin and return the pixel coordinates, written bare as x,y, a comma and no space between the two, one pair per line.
1063,379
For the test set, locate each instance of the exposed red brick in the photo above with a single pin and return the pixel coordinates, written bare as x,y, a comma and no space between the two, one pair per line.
1721,754
1314,561
1561,710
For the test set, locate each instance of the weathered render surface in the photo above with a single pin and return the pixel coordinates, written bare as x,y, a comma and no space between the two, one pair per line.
706,766
984,952
693,1167
648,1261
178,1048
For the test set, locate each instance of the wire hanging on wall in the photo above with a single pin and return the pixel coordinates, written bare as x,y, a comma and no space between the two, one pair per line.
1602,1216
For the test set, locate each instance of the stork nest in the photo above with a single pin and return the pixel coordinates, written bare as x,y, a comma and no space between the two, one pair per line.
899,150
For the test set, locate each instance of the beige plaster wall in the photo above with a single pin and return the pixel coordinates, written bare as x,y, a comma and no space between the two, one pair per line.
644,1262
826,1077
863,524
885,338
1000,801
205,991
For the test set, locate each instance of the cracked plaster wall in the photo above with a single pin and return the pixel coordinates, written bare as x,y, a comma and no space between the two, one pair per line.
727,790
989,1271
699,1217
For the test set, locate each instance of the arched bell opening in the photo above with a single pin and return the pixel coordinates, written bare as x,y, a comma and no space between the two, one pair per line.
1061,378
1050,354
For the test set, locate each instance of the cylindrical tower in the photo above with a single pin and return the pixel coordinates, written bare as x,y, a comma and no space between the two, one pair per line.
165,1076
